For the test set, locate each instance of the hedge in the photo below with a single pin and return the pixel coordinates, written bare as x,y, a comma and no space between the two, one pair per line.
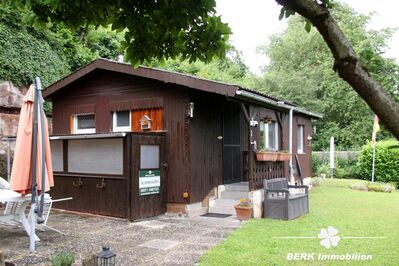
386,162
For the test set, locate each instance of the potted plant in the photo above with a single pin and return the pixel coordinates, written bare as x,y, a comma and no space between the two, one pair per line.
244,209
283,156
266,156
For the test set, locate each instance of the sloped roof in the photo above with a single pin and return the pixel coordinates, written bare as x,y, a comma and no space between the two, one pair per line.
160,75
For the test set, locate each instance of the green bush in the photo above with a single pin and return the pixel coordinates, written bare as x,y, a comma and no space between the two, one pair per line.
344,168
316,163
386,162
381,187
376,187
63,259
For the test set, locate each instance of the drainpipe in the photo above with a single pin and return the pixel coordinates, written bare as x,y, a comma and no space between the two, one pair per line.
290,121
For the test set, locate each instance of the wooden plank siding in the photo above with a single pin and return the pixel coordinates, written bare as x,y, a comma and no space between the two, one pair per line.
205,147
113,200
148,205
154,114
100,88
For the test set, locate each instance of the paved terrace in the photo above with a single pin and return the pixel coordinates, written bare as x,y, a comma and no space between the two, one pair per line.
164,240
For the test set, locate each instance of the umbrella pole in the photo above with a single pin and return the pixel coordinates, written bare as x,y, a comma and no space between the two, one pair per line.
43,177
33,167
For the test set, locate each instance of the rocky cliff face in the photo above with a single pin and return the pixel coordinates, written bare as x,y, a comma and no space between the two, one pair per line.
11,98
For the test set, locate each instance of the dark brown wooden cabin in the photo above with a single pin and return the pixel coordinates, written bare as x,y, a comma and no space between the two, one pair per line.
108,117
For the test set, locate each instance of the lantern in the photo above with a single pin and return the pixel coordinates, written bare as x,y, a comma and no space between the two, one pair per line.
105,258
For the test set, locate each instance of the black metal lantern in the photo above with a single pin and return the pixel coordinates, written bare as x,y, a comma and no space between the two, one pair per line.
105,258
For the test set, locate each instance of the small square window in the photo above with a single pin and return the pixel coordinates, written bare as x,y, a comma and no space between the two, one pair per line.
84,123
121,121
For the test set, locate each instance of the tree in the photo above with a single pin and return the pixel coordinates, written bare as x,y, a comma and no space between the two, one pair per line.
346,62
152,28
300,71
163,29
230,69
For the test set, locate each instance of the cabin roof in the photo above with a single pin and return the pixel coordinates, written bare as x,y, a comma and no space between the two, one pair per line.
186,80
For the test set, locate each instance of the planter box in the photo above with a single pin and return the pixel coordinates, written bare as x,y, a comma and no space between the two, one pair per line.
283,156
243,213
266,156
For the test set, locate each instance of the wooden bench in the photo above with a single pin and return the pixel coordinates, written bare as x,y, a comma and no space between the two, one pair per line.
279,203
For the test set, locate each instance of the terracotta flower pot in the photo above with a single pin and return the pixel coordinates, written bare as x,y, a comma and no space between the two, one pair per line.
266,156
283,156
243,213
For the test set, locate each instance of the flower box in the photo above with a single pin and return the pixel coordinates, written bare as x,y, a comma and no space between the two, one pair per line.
243,213
283,156
266,156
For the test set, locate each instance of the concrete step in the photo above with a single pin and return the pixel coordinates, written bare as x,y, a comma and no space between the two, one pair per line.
241,186
233,195
223,206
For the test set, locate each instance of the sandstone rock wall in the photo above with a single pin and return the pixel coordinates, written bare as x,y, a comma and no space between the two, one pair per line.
11,99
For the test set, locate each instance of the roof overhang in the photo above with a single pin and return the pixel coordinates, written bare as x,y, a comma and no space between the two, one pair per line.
266,102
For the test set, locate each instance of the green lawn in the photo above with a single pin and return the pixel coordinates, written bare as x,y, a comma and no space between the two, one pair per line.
353,213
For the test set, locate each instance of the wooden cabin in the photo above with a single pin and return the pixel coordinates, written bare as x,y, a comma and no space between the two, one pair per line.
136,143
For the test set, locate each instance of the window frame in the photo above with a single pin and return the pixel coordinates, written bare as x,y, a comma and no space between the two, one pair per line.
266,136
76,130
300,136
115,128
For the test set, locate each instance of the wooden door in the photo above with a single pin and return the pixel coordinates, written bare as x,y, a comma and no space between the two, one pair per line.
148,176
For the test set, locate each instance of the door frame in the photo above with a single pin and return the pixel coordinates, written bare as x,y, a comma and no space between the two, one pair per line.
154,204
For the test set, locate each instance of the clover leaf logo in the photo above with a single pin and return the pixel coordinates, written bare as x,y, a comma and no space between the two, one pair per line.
329,237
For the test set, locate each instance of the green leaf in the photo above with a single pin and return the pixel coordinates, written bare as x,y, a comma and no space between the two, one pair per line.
282,11
308,26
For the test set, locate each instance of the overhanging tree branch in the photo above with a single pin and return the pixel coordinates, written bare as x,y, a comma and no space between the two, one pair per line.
347,63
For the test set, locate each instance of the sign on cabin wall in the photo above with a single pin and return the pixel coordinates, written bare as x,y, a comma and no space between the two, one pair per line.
149,182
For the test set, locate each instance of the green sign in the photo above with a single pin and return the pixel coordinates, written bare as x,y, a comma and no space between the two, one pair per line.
149,182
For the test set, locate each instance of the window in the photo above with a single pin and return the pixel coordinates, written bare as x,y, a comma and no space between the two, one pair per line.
96,156
149,157
121,121
268,136
299,135
84,123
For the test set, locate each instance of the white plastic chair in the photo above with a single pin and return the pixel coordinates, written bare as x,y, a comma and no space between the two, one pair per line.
12,213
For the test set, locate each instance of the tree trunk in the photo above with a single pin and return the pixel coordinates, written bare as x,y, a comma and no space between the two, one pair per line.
347,64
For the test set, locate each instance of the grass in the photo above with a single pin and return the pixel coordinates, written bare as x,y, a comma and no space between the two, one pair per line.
353,213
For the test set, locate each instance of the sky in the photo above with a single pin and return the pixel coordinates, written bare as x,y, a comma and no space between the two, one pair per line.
254,21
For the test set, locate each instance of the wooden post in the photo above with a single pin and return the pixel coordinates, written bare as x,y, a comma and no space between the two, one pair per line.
250,152
2,261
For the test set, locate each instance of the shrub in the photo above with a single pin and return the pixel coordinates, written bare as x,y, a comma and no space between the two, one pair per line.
63,259
315,182
386,162
359,186
316,164
376,187
381,187
344,168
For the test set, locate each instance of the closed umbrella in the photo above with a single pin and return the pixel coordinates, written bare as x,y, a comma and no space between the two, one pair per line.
32,169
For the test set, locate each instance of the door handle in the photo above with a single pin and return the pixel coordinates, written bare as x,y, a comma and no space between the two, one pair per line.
165,165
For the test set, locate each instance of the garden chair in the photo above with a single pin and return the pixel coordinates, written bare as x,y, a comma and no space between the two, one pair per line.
13,208
280,203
